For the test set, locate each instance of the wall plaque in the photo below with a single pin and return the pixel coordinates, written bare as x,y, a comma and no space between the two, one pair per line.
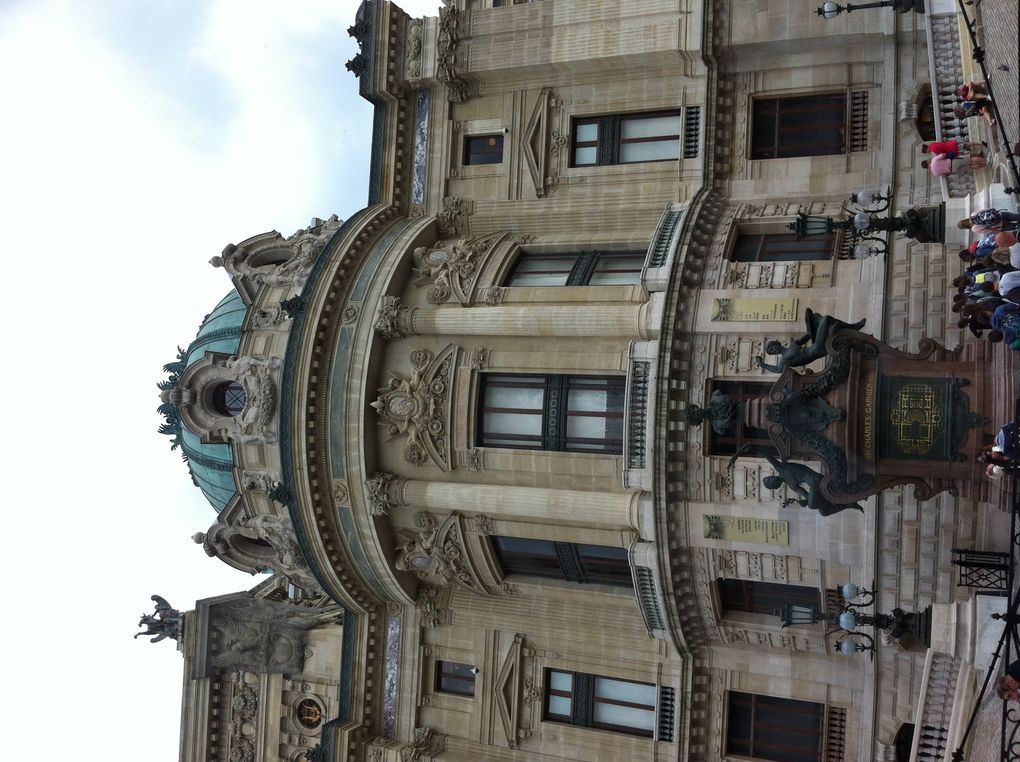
916,418
754,308
737,529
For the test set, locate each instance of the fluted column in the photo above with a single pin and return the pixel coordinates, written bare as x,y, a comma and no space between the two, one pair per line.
637,321
620,510
532,320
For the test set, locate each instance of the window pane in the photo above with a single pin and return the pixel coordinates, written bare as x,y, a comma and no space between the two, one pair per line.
560,705
618,268
603,431
625,690
585,156
520,555
561,681
586,132
623,703
512,411
651,127
605,564
657,150
483,149
534,269
624,716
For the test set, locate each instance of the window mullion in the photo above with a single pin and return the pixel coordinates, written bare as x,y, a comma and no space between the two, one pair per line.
584,266
570,562
555,413
583,705
609,140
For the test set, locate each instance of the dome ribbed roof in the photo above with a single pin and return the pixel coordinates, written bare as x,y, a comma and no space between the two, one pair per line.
211,465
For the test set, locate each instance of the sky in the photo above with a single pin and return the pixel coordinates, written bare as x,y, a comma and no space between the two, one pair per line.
138,138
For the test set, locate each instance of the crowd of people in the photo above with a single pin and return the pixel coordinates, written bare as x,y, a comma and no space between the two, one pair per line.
987,297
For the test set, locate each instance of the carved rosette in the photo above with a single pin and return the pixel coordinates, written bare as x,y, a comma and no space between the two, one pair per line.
418,407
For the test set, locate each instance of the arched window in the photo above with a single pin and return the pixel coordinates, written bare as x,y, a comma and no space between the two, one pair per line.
228,398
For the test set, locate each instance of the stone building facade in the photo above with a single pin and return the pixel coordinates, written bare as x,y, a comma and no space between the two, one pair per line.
453,426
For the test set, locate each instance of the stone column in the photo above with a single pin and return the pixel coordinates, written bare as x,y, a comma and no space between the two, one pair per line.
631,321
635,321
621,510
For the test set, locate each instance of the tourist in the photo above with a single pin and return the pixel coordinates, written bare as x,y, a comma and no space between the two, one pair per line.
972,89
951,148
979,107
990,221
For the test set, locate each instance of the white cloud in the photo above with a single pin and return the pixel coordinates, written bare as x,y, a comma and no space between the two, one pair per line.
133,148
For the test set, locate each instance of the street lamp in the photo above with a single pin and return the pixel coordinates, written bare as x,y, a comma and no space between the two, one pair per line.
868,197
850,617
924,224
831,10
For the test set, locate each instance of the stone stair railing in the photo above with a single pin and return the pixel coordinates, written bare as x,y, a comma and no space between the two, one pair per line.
945,69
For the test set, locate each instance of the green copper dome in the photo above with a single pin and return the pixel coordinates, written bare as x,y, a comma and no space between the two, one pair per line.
211,465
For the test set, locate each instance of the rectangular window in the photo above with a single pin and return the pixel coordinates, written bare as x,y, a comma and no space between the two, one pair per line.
751,597
626,138
778,729
574,562
782,247
580,268
483,149
810,125
756,439
592,701
454,677
552,412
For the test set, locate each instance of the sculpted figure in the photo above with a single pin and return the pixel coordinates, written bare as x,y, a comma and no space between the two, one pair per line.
722,413
164,622
798,353
806,483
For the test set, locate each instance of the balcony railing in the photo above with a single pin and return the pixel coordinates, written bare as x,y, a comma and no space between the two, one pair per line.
945,69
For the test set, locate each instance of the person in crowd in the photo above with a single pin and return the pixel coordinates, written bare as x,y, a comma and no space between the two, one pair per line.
972,89
977,107
990,221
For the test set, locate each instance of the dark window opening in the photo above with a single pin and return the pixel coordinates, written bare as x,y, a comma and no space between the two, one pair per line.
782,247
581,268
483,149
812,125
752,597
454,677
778,729
229,398
585,564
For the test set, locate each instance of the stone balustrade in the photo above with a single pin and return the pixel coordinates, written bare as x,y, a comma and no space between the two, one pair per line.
946,73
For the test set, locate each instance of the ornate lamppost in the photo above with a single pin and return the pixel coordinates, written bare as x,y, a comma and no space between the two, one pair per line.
831,10
924,224
898,624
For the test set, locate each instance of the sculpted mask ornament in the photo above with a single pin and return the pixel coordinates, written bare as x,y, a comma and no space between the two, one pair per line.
419,407
452,267
437,552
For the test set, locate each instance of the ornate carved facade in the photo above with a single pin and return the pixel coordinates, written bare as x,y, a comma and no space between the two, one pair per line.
454,427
